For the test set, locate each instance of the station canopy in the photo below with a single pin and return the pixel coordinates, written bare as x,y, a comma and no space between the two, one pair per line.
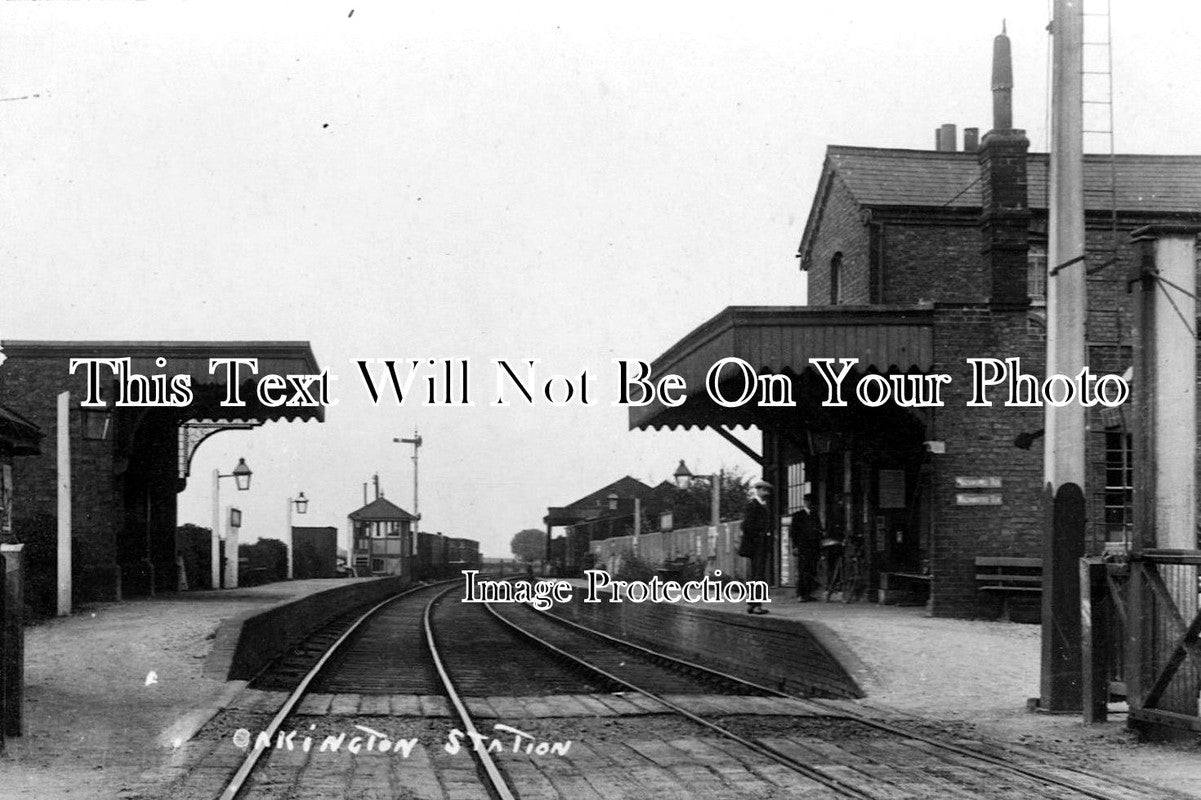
192,358
780,340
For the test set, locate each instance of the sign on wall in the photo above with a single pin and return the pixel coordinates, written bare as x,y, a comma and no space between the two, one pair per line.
990,499
989,482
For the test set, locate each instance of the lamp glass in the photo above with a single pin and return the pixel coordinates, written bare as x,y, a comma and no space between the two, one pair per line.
683,475
96,423
242,475
302,504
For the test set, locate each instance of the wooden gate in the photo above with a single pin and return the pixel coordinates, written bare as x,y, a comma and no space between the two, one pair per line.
1137,641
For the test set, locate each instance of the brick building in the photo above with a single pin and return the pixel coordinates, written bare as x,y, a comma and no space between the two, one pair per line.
917,261
128,464
382,540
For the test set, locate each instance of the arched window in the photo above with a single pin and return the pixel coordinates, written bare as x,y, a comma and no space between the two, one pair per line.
836,279
1036,273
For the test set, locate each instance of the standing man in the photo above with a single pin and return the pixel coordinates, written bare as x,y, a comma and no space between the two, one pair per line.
806,538
756,537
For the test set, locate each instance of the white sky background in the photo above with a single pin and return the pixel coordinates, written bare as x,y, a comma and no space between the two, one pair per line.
562,185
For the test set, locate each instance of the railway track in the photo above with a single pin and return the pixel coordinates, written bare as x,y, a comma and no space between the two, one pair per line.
1084,786
419,644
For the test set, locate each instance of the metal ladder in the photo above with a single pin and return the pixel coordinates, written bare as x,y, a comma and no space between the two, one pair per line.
1098,113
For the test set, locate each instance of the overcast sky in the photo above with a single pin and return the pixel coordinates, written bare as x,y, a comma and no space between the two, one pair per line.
475,182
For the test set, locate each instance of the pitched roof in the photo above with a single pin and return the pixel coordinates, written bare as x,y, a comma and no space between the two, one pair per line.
622,487
381,509
879,177
886,177
596,504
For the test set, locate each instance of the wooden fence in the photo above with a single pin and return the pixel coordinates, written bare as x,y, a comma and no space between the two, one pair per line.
718,547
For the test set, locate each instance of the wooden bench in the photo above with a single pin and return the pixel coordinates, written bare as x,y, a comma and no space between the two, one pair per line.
904,588
1008,575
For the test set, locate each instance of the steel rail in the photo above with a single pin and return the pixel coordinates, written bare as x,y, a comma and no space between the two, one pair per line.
238,781
499,785
757,747
838,712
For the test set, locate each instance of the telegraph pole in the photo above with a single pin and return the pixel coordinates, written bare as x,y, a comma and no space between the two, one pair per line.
1067,308
416,442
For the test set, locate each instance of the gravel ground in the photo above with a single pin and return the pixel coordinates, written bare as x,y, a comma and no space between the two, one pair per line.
95,725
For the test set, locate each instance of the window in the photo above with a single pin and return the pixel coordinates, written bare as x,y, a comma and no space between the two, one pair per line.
796,486
836,279
377,565
1036,272
1119,485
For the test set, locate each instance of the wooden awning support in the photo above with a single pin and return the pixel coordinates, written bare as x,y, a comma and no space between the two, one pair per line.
734,440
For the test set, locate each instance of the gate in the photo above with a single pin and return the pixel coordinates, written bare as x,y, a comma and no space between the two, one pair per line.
1139,643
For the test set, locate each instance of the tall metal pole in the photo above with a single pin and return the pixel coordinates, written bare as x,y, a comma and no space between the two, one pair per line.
637,524
1067,309
715,499
416,442
291,555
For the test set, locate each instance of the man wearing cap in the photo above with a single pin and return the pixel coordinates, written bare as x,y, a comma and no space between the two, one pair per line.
756,537
806,538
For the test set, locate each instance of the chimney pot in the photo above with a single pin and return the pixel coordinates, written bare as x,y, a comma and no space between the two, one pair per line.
947,139
1002,82
971,140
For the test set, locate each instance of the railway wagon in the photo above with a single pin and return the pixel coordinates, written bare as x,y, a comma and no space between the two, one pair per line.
430,557
440,556
464,552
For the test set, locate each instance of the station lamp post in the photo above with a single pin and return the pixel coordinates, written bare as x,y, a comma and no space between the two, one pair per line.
241,476
301,505
684,478
613,501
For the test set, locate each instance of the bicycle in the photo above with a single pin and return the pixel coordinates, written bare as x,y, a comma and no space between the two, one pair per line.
848,575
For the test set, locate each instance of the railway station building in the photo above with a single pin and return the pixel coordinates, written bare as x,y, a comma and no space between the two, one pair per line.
127,464
918,260
606,512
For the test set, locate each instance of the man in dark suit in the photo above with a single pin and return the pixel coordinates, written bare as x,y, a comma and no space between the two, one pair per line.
806,538
756,537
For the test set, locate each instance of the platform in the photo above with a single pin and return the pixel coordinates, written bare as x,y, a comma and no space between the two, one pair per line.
112,687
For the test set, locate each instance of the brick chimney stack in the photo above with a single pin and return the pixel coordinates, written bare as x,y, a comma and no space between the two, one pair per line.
1005,212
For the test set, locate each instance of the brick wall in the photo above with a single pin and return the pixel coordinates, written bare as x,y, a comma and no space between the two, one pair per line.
979,443
840,230
246,643
30,386
934,263
785,654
